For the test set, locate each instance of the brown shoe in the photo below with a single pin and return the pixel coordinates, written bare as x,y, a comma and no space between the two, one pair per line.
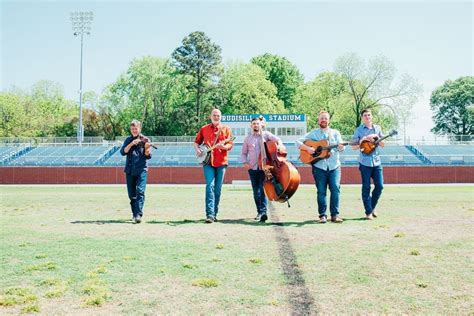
336,219
369,217
322,220
209,220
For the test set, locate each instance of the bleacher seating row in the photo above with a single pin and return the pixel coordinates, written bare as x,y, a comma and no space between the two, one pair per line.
183,155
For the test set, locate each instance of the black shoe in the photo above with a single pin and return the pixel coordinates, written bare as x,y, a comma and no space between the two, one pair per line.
215,219
263,218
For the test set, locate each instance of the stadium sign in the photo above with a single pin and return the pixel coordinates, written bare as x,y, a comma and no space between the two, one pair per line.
268,117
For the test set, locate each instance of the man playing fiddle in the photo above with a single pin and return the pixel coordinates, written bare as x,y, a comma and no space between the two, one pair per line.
137,148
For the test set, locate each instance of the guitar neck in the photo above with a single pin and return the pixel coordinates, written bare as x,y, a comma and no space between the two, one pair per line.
382,138
335,145
225,141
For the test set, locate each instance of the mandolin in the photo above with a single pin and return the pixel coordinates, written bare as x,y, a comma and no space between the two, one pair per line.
367,147
322,150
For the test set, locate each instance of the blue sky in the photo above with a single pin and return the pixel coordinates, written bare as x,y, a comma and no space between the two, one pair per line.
430,40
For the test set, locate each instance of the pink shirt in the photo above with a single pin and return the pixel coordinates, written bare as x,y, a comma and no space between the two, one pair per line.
251,148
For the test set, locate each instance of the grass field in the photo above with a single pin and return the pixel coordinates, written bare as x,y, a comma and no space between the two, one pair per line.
73,250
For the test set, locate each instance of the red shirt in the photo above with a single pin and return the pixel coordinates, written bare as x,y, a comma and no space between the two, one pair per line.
207,135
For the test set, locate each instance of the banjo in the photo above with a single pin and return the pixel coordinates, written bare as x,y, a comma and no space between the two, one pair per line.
205,157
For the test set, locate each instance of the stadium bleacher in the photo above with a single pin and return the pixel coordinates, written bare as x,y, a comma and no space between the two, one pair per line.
448,154
62,156
182,154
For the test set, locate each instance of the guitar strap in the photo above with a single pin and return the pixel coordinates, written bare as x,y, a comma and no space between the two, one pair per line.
329,136
217,136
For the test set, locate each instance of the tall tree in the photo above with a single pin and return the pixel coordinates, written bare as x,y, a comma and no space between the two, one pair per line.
150,90
12,115
199,58
453,108
326,92
283,74
245,89
371,85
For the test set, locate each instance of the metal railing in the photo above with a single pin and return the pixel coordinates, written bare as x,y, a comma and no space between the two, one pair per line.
424,140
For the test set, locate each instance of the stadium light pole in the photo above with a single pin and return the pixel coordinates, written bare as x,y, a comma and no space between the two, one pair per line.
81,24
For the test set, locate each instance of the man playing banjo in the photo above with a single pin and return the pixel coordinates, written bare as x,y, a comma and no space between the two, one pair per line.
219,137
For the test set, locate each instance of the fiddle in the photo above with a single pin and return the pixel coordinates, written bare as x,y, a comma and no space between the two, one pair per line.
145,141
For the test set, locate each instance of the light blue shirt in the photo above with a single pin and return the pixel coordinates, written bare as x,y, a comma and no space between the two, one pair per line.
333,161
373,159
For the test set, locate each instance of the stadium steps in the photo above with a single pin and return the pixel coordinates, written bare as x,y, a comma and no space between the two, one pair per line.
419,154
17,154
106,155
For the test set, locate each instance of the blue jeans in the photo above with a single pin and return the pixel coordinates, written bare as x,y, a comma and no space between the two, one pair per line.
376,174
257,178
323,179
136,192
214,179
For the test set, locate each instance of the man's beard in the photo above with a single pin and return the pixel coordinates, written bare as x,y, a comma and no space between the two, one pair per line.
323,125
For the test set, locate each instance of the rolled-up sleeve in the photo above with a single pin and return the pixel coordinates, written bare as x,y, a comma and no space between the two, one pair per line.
272,137
127,141
199,137
356,136
301,140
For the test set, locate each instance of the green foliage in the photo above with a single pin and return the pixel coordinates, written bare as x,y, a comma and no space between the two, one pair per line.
95,292
198,58
54,293
39,112
42,266
206,283
50,282
151,91
17,295
283,74
453,107
244,89
371,85
329,92
34,308
326,92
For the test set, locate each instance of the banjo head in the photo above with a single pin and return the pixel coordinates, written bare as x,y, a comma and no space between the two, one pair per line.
205,156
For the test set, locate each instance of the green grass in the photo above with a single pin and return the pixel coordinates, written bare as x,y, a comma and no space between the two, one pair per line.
74,250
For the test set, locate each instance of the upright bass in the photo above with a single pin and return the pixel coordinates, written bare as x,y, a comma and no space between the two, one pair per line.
281,176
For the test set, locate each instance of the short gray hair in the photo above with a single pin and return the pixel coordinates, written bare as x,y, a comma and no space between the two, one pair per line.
135,123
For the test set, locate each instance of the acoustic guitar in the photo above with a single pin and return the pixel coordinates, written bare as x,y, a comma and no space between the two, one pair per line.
367,147
205,157
322,150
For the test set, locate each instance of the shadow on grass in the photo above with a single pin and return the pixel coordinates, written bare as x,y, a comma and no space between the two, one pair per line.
355,219
103,222
237,221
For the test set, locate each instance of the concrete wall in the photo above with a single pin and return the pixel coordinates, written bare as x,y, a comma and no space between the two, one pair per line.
193,175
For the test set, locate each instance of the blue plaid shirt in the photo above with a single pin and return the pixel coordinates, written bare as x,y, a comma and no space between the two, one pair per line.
373,159
332,162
